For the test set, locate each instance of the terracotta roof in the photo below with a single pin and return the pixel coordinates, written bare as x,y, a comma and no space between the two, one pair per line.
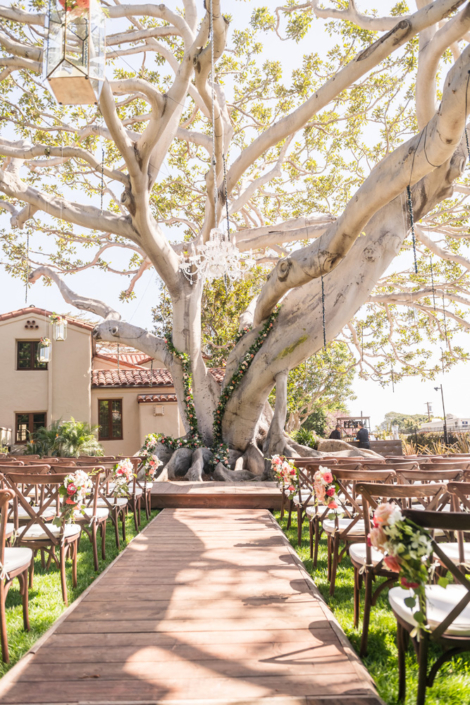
33,311
155,398
141,377
131,378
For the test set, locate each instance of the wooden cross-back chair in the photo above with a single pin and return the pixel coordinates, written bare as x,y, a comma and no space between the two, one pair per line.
448,609
367,561
344,531
30,491
36,532
94,518
117,506
141,483
14,563
306,469
459,553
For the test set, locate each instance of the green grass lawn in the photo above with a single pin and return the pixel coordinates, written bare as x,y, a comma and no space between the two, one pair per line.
45,598
452,684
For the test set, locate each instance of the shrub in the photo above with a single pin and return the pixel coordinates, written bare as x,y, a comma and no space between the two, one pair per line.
306,437
65,439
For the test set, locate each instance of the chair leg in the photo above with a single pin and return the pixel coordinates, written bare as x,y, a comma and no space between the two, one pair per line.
123,520
74,549
401,663
310,536
148,499
23,580
115,518
31,573
94,531
357,598
367,608
103,539
329,548
139,509
317,541
283,502
299,526
3,624
63,580
289,514
423,669
136,517
334,566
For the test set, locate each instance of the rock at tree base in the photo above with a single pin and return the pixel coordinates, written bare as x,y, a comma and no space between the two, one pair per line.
330,445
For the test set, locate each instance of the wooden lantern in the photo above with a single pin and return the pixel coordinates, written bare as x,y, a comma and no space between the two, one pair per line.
75,51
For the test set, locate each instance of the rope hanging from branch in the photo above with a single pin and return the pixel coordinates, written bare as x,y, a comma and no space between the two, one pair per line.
465,130
412,223
432,286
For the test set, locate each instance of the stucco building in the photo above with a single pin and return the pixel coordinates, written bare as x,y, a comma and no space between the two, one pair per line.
118,390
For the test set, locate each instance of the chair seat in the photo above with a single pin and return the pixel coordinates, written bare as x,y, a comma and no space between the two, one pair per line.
357,530
49,513
357,553
439,602
101,513
302,498
36,532
452,551
9,529
119,501
320,509
16,558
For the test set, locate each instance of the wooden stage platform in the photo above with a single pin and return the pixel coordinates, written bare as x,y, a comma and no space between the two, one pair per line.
204,607
203,495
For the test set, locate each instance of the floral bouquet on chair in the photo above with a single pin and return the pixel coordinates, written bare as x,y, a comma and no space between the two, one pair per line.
123,473
325,488
286,474
407,548
75,489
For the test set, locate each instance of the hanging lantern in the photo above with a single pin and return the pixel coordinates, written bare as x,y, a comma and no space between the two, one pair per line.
75,51
59,327
44,350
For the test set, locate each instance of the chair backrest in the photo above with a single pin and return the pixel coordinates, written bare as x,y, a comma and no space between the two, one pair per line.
25,457
48,486
445,521
6,496
96,458
10,461
423,474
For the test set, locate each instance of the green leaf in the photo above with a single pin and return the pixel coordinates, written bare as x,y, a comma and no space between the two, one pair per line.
410,601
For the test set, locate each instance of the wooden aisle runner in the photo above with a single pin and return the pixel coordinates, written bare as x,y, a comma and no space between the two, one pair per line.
204,606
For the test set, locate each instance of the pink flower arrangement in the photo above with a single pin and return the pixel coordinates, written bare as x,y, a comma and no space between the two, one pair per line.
285,473
408,549
324,487
74,491
123,472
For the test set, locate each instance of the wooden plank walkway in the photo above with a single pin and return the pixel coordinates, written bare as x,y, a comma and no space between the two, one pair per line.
204,606
203,495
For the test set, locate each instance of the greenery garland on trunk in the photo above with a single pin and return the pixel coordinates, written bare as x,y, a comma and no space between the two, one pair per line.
220,449
193,439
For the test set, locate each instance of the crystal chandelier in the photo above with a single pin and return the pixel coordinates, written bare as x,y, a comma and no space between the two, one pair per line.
217,258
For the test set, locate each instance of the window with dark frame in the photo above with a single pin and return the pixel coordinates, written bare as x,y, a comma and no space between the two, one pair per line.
110,419
27,355
28,423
